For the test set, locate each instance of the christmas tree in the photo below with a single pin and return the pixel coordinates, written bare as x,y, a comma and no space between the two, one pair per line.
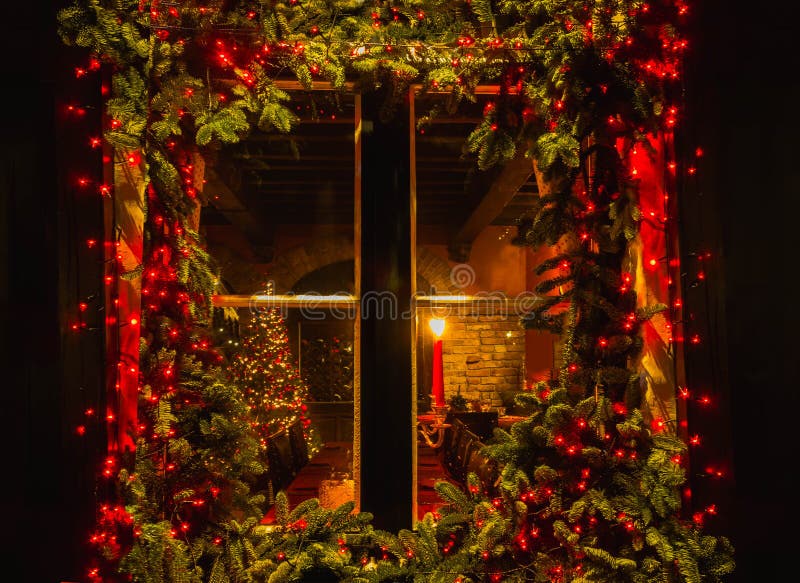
266,373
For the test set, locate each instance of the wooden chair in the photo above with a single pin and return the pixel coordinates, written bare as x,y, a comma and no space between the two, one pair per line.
462,454
279,456
299,445
451,446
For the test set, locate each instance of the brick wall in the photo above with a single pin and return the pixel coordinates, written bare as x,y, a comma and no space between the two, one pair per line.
483,355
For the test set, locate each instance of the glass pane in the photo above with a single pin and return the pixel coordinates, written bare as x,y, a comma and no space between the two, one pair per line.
477,276
280,220
296,370
282,206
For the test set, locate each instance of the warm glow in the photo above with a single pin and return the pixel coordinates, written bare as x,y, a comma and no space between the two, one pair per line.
437,326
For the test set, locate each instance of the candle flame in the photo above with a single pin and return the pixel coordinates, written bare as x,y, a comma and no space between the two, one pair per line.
437,326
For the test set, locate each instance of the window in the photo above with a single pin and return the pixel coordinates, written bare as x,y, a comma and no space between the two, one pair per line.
286,225
283,224
474,279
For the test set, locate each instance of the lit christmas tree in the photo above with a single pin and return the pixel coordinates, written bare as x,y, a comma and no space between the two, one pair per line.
271,385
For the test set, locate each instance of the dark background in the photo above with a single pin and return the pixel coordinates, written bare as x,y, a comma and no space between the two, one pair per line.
742,91
51,373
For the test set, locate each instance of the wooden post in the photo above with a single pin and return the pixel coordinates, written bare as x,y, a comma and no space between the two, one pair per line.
128,225
656,363
386,407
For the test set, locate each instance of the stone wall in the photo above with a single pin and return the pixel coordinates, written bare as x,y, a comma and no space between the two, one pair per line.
483,355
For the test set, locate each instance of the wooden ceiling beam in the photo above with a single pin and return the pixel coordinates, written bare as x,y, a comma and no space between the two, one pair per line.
514,174
420,89
228,203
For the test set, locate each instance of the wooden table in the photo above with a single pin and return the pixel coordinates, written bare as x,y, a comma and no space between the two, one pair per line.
506,421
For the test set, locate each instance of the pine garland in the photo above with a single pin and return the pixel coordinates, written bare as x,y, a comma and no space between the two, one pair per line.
589,492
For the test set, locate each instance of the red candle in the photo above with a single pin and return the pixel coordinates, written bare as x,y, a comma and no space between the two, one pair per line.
437,327
438,374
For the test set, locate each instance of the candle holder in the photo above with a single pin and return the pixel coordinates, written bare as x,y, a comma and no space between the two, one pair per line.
440,410
432,432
